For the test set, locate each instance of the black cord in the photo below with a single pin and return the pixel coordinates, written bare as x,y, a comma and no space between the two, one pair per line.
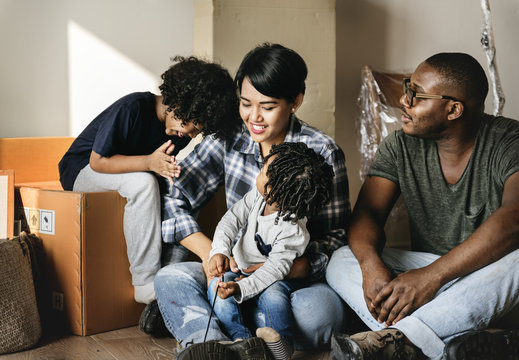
212,310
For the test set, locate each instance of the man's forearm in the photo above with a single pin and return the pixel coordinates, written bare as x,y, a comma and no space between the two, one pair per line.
366,239
495,238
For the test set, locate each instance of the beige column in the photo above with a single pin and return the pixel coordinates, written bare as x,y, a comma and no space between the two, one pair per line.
225,30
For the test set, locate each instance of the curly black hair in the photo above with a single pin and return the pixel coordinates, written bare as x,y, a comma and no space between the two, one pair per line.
300,181
204,93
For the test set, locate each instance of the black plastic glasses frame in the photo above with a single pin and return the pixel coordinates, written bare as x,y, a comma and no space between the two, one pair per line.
410,94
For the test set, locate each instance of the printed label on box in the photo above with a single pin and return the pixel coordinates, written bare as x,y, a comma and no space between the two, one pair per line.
34,220
47,221
40,220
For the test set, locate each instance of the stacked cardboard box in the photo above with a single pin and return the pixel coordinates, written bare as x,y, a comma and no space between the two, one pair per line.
86,266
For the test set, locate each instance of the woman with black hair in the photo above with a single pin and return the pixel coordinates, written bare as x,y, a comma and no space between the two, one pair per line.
271,82
138,137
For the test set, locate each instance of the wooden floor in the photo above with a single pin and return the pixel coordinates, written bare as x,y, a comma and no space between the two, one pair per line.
124,344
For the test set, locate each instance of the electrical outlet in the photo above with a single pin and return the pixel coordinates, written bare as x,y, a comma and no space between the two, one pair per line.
57,301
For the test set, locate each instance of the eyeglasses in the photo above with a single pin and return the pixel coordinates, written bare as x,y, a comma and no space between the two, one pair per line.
410,94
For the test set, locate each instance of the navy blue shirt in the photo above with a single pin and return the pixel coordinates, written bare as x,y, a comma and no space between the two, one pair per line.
129,126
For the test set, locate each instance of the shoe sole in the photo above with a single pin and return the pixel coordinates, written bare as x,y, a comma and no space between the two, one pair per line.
343,348
211,350
248,349
484,345
253,348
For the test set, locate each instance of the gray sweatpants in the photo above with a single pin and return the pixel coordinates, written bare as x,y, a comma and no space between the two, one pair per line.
142,220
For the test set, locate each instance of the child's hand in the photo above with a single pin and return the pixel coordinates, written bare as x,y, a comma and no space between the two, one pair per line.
218,265
227,289
162,163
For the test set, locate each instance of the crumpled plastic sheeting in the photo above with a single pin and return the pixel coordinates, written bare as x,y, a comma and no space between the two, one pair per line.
379,112
487,40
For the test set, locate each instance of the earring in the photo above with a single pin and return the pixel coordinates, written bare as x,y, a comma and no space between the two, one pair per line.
293,110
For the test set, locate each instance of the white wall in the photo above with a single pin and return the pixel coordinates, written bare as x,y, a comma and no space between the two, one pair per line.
64,61
399,34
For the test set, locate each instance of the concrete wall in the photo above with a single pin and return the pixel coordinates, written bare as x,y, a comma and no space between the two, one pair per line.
64,61
226,30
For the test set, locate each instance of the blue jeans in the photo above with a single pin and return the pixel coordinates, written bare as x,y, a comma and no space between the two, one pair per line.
471,302
181,295
273,303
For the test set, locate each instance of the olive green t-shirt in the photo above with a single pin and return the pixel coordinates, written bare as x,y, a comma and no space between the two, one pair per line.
441,215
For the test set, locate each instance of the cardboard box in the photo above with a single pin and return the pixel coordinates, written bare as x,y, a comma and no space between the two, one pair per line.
86,265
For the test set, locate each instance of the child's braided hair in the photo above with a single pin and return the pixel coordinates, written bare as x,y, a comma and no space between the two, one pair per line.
299,179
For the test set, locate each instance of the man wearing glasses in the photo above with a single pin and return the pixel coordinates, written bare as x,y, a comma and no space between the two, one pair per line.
457,169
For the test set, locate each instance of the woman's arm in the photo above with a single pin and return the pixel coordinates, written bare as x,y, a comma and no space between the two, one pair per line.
202,175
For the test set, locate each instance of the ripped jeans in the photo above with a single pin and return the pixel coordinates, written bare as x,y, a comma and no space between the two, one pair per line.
181,294
273,303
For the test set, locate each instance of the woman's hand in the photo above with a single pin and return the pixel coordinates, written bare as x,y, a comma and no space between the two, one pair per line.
162,163
252,268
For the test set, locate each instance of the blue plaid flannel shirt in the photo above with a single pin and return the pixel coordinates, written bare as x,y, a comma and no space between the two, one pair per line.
236,164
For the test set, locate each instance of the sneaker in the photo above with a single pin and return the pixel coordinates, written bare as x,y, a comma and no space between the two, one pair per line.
371,345
248,349
151,321
484,344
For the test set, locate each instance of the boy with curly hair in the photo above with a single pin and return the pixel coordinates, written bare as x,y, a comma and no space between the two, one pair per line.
133,143
270,226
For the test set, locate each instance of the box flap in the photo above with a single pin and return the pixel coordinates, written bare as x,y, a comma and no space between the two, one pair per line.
33,159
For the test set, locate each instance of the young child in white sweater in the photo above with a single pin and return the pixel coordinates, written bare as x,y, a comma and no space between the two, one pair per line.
263,233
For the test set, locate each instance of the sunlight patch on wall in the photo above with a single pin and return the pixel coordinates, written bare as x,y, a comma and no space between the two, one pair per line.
99,75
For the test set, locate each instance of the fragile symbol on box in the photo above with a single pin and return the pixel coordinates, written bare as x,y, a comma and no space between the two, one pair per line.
47,221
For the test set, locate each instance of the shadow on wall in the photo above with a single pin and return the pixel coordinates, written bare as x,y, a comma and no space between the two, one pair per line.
360,40
41,39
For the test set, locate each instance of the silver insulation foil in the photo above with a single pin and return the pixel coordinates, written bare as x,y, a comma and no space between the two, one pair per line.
379,114
487,40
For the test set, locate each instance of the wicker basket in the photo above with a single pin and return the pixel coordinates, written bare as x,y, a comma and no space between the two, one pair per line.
20,326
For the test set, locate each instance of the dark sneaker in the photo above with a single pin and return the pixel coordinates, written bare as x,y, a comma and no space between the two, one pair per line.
484,344
248,349
371,345
151,321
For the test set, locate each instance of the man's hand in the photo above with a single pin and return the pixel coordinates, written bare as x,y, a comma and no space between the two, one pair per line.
374,279
404,294
227,289
162,163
